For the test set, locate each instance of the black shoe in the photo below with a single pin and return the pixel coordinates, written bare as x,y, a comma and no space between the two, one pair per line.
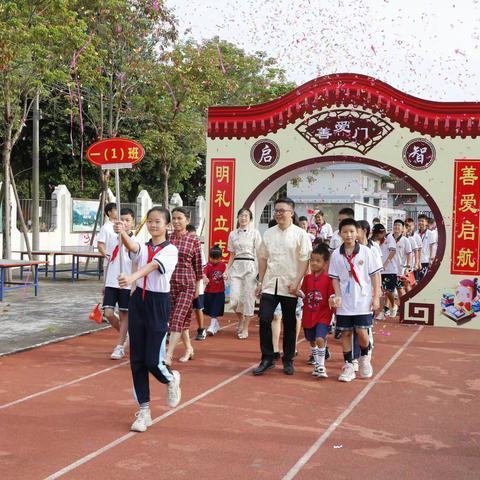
338,334
327,353
311,360
276,355
264,366
201,334
288,368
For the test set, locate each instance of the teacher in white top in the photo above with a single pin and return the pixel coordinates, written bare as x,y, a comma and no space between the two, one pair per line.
243,244
282,263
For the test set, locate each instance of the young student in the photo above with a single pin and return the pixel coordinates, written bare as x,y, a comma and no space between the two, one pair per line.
213,276
114,295
324,229
402,259
416,244
355,273
388,247
149,312
198,303
106,231
303,223
427,253
316,290
432,226
336,239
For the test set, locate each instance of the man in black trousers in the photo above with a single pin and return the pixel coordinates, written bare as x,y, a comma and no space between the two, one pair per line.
282,263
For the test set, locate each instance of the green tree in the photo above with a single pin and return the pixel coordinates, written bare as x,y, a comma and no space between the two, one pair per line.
37,41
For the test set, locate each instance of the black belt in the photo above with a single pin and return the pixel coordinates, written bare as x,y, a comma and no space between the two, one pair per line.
243,258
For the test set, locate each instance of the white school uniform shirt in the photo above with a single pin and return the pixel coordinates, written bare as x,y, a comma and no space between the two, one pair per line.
435,240
403,250
325,231
375,248
413,245
106,232
335,241
427,239
386,248
113,268
201,287
166,259
283,250
356,299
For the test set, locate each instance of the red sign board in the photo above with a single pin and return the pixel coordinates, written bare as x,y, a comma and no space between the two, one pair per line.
115,152
466,218
222,196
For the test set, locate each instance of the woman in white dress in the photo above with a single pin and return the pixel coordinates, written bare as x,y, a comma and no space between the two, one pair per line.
243,243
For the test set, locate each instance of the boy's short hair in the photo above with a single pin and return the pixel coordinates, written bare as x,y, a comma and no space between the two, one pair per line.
400,221
409,220
376,219
109,207
422,216
431,221
127,211
303,219
346,222
378,228
347,211
215,252
320,212
322,250
191,228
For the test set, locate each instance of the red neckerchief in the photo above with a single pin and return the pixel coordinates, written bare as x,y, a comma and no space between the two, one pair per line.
382,241
115,250
349,260
422,235
152,250
399,238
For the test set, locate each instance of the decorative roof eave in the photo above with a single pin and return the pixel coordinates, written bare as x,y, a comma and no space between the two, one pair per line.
443,119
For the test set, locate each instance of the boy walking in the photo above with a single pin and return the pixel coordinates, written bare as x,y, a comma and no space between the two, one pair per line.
355,274
114,295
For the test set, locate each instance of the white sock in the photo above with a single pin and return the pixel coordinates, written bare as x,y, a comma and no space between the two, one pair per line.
145,406
319,356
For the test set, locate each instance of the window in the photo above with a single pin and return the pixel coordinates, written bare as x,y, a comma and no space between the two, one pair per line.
267,213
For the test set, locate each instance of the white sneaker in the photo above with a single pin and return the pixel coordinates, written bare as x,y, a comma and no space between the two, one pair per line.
348,373
118,353
143,420
320,372
355,364
388,313
394,311
174,392
381,316
365,367
213,327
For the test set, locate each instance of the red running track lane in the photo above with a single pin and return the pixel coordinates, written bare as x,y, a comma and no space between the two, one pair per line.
240,426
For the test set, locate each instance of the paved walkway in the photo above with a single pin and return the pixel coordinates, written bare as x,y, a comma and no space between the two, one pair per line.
61,310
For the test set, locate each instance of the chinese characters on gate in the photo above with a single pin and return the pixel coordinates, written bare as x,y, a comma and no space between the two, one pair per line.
466,215
222,189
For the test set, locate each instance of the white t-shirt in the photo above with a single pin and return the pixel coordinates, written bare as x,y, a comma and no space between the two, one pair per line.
166,258
386,248
325,231
427,239
375,248
404,249
356,299
113,268
105,232
201,287
336,240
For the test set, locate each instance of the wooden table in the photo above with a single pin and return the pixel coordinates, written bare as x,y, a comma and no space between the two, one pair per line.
19,264
75,266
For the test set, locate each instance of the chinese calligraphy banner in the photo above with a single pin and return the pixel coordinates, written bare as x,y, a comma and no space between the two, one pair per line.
466,218
222,193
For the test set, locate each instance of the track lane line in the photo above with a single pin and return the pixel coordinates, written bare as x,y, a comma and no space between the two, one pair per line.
77,380
293,472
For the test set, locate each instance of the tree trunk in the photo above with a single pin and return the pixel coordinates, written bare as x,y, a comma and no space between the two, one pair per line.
7,221
165,176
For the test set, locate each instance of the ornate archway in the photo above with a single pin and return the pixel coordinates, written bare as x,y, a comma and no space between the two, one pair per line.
430,144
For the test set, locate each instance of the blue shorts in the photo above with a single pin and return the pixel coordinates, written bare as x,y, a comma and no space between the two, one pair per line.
116,296
349,322
198,302
320,330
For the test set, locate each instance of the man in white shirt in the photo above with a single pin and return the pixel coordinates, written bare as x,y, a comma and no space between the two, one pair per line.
324,229
336,239
282,263
402,260
107,228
